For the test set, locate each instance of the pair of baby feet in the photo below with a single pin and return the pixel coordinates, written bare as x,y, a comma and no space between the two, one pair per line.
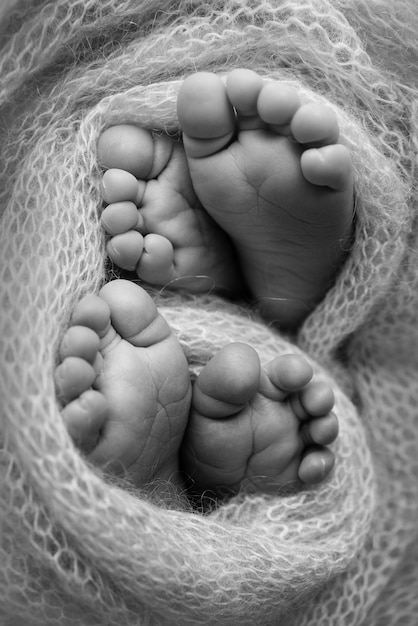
260,188
257,169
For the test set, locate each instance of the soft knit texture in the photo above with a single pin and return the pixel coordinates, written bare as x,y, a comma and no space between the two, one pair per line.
76,550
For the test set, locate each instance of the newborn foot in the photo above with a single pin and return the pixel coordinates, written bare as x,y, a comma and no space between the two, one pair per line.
157,225
125,384
269,170
258,428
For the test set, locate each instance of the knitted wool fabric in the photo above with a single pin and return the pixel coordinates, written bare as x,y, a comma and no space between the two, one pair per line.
76,550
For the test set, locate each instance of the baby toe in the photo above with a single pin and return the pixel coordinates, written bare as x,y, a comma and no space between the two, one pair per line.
205,114
72,377
84,418
329,166
156,263
316,465
119,217
80,341
289,372
126,249
227,382
278,103
314,400
315,124
92,312
134,314
320,431
126,147
118,185
243,88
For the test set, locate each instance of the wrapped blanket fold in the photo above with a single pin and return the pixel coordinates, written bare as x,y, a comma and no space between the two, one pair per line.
76,550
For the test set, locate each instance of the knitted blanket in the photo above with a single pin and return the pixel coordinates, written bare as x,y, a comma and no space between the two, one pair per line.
77,549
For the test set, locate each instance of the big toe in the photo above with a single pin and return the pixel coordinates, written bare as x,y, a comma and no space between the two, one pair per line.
126,147
227,382
205,114
133,313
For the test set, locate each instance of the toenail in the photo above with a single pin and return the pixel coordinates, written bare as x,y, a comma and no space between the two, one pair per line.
315,466
119,217
118,259
119,185
317,154
59,374
84,403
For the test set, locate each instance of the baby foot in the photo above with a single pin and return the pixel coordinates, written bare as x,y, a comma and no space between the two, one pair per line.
124,383
269,170
157,225
258,428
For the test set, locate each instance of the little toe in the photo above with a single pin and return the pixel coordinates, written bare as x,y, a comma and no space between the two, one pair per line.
315,124
81,342
205,114
228,381
84,418
316,465
126,249
134,314
118,185
72,377
119,217
328,166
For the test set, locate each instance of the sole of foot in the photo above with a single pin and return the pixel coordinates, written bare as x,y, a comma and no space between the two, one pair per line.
270,171
124,384
259,429
157,226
